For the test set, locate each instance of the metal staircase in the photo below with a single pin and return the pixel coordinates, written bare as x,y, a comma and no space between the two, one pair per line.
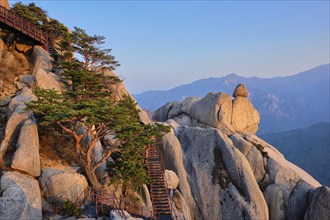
158,189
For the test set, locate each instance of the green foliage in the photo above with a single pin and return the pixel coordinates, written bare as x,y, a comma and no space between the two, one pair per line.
135,137
39,17
70,208
32,12
87,103
89,47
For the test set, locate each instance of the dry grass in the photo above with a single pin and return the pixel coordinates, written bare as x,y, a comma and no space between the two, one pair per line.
12,64
56,148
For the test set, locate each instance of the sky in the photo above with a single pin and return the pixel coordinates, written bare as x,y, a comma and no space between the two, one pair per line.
163,44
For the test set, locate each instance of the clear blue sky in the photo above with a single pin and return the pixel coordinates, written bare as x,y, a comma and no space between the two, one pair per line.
161,44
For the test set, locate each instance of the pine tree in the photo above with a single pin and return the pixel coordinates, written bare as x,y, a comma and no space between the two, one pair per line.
87,104
89,47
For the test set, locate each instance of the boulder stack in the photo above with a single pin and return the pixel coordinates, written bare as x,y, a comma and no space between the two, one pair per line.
217,110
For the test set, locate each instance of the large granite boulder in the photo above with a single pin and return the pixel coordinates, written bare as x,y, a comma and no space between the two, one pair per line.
17,117
319,204
245,118
173,160
41,60
59,185
275,202
47,80
26,157
215,109
180,205
145,196
167,111
20,100
241,91
20,198
220,178
171,179
298,201
13,126
118,91
28,80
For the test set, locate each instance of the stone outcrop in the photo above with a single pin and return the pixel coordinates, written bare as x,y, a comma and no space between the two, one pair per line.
47,80
275,201
245,117
319,204
23,48
20,197
117,215
29,80
59,185
224,170
26,157
145,196
209,182
171,179
118,91
216,168
217,110
17,117
240,91
41,60
173,160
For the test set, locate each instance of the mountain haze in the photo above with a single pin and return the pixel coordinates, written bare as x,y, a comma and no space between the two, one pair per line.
284,103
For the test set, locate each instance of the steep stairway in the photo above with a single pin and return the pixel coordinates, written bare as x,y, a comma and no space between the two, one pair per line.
158,190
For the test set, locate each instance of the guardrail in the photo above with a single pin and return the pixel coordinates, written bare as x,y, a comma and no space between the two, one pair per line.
105,201
23,25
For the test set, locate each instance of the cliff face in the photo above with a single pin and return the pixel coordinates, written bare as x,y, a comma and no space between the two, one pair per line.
225,170
34,176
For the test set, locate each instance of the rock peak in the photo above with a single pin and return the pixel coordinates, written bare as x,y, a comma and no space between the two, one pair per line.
240,90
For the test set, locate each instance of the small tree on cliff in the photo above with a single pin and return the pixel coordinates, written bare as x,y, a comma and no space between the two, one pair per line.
87,105
89,47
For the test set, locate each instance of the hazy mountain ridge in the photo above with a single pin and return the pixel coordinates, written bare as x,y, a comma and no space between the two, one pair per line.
284,103
308,148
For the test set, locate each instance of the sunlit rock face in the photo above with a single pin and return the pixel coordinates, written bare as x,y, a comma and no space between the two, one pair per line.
217,110
5,3
225,171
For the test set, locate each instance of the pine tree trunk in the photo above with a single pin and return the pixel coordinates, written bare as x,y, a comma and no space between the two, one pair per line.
93,178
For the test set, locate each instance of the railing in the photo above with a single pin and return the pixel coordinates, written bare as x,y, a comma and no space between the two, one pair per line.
104,201
163,166
23,25
160,161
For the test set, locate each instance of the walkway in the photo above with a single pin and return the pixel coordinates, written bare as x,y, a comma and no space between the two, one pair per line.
24,26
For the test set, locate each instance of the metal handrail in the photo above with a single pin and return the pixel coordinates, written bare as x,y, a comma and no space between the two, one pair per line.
160,156
101,199
23,25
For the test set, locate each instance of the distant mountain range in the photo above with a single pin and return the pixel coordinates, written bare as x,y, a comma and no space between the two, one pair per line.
284,103
308,148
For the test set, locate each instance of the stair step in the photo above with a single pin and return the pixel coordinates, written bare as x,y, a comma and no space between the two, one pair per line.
162,198
159,190
162,208
161,203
